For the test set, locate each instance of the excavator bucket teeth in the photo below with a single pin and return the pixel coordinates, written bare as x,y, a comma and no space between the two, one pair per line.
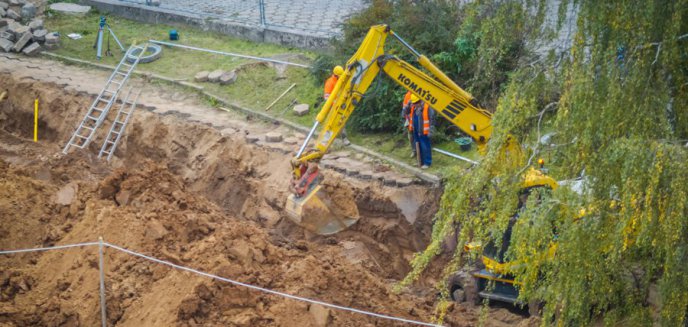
317,212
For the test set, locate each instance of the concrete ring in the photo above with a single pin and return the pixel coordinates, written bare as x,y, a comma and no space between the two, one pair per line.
155,55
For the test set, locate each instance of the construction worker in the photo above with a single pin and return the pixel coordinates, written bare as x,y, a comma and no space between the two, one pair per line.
407,122
421,125
329,87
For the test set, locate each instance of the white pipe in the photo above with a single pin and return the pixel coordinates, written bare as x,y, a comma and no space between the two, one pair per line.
453,155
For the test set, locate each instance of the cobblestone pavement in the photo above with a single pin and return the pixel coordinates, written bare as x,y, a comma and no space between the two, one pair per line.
318,17
188,105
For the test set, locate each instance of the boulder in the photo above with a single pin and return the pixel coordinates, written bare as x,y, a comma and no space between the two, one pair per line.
301,109
4,5
201,76
33,49
215,75
6,45
28,11
18,30
22,41
228,78
70,8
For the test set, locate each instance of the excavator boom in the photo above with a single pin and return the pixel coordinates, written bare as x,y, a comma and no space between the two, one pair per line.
308,206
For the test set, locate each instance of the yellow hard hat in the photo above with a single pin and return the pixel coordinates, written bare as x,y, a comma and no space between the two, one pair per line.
414,98
541,162
338,70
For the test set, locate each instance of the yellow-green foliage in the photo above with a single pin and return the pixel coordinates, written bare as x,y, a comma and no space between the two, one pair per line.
623,124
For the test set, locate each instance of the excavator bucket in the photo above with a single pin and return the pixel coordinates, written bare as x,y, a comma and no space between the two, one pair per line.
321,213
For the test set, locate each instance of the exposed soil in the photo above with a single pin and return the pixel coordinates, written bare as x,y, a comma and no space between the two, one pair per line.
188,194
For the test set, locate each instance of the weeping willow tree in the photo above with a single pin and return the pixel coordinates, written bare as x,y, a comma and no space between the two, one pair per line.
618,104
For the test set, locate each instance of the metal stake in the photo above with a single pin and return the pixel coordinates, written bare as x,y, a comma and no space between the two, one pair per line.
102,281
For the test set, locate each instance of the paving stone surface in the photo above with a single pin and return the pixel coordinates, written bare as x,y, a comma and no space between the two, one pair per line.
313,17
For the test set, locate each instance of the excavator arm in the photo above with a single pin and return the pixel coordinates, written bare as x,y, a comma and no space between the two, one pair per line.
308,205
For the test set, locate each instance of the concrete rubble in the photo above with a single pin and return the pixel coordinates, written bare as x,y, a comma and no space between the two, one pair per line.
70,8
22,30
301,109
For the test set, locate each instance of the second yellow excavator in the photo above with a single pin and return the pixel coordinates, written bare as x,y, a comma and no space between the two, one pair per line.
310,205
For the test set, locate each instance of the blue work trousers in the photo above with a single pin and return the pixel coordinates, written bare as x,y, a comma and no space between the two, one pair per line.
425,148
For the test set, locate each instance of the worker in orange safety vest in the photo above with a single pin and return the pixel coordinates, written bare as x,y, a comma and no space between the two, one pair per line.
407,122
422,119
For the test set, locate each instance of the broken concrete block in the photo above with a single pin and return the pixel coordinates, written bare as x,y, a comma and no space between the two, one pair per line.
301,109
6,45
273,137
36,24
7,36
70,8
201,76
28,11
39,35
3,13
251,138
15,3
52,38
22,41
228,78
18,30
4,5
365,174
32,50
389,180
291,141
4,22
214,76
13,14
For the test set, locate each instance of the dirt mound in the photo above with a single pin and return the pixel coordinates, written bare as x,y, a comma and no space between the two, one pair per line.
186,194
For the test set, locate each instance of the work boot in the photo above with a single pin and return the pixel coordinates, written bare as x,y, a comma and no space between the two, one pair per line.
424,167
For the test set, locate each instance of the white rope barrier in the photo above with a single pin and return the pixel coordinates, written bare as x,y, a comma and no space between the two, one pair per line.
231,281
56,247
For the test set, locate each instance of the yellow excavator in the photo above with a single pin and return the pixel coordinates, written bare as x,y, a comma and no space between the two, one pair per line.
311,204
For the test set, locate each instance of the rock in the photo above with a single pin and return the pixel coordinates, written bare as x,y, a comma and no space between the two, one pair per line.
320,314
5,21
155,230
70,8
365,174
215,75
28,11
273,137
352,170
301,109
228,78
32,50
36,24
4,5
201,76
6,45
291,140
15,3
39,35
22,41
13,14
65,196
402,182
17,29
52,38
389,180
3,13
251,138
155,3
9,36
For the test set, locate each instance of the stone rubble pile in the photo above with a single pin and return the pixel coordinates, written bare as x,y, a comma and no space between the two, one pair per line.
22,31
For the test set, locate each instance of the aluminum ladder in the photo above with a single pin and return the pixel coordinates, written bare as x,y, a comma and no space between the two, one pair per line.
118,126
101,106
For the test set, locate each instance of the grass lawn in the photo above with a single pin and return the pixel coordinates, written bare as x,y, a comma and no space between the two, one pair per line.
255,88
